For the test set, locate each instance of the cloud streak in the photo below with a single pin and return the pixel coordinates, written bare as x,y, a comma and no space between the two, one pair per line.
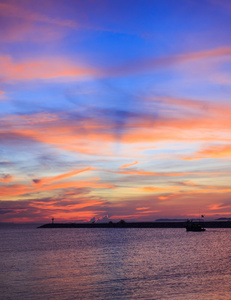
15,11
212,152
93,128
129,165
47,180
156,63
6,178
42,68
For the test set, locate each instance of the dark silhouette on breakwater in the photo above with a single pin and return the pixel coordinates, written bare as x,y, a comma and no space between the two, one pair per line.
195,226
123,224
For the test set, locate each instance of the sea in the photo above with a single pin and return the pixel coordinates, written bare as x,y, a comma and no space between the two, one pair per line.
114,263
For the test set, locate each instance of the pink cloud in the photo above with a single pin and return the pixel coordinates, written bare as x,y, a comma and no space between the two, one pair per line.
47,68
15,11
21,23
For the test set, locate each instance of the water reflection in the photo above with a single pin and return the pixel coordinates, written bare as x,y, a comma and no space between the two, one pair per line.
115,264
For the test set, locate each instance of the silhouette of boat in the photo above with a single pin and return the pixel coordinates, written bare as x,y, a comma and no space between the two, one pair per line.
194,225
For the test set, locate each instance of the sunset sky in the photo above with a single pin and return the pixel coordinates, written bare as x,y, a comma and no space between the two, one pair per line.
117,108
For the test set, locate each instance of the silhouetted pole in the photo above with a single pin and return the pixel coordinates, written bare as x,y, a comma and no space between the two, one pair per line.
52,220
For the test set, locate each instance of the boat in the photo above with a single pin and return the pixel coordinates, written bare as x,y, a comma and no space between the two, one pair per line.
192,225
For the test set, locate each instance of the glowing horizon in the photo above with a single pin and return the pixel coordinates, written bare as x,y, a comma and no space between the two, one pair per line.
118,109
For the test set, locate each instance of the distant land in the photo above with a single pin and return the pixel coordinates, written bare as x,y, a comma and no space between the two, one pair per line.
171,220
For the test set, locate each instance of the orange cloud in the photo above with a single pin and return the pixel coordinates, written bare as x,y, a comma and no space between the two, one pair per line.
6,178
92,183
142,208
48,180
63,133
149,211
220,151
13,190
163,197
157,189
68,204
190,183
214,152
94,139
129,165
174,174
23,189
136,172
216,206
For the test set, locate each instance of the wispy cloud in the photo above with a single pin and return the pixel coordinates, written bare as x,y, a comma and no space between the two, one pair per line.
137,172
165,174
152,189
2,95
98,131
167,61
16,189
21,23
48,180
41,68
19,12
129,165
6,178
212,152
216,206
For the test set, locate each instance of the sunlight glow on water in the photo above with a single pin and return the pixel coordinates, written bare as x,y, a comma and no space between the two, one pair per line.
114,264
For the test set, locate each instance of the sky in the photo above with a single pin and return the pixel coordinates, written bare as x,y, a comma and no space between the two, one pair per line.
116,108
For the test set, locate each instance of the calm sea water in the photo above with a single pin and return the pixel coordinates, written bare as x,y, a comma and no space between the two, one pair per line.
114,263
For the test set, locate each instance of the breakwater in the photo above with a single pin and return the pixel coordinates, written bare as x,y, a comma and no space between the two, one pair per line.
208,224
